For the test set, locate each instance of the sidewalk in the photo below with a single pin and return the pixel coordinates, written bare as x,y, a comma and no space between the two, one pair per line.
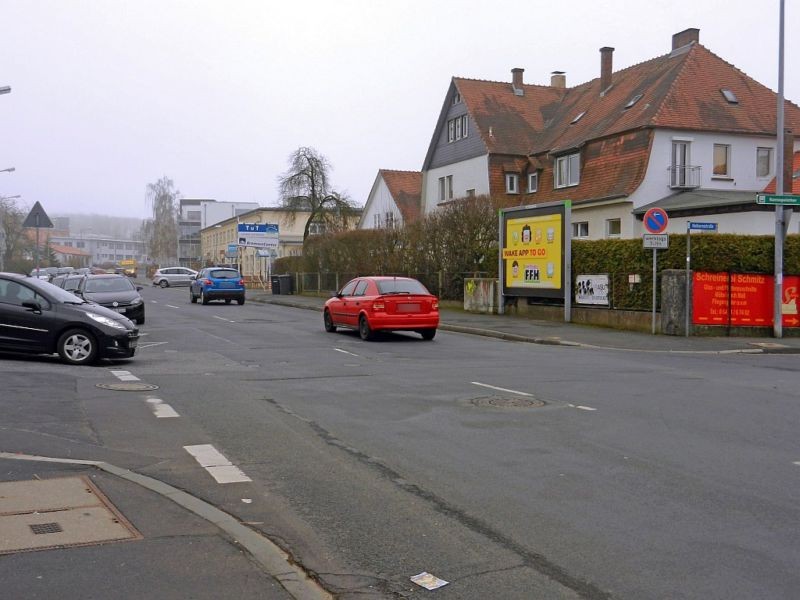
524,329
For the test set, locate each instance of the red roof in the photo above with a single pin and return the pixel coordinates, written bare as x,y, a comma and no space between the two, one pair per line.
406,189
770,189
69,250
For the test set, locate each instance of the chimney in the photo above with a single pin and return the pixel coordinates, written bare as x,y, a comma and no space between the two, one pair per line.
606,68
516,81
685,37
558,79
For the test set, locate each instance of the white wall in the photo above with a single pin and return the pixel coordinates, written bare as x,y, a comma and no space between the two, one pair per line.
380,202
596,216
215,212
743,163
467,174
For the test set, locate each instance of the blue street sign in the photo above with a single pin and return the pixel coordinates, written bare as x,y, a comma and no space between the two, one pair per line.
257,228
702,226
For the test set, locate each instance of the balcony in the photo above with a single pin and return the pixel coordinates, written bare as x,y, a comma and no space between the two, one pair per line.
684,177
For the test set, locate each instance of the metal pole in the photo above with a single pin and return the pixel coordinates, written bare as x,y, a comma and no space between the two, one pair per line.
777,305
501,299
654,290
568,261
688,274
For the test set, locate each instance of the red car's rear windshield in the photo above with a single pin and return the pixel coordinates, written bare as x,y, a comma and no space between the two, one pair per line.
401,286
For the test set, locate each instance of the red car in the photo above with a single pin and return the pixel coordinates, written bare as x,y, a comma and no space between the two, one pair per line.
371,304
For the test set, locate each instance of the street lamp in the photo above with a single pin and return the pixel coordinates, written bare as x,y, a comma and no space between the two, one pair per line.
8,170
6,89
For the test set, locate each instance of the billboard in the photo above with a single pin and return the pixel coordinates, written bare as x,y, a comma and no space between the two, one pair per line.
532,243
742,299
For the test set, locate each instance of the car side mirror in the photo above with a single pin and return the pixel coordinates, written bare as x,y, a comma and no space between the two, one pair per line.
33,306
139,288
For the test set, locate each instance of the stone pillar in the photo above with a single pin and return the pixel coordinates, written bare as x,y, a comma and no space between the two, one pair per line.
673,302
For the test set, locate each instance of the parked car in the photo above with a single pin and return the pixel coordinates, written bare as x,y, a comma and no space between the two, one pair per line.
46,273
215,283
371,304
39,317
169,276
115,292
67,282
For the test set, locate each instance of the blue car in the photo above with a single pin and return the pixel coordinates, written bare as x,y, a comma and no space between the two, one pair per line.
217,283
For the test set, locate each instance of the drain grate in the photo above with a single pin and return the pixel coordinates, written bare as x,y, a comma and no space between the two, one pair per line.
128,386
507,402
42,528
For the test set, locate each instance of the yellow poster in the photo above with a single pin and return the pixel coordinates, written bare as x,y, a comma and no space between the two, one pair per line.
533,252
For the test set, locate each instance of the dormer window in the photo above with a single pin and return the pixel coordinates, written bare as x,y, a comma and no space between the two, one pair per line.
567,170
578,118
456,98
633,101
457,128
729,96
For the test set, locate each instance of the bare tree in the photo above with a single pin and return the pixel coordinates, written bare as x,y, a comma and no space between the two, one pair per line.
13,243
162,229
306,187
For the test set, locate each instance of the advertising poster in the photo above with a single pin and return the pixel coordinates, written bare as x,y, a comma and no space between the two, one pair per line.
533,253
258,235
747,301
592,289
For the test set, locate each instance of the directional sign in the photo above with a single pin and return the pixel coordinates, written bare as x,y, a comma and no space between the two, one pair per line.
258,235
37,217
655,220
793,199
702,226
656,241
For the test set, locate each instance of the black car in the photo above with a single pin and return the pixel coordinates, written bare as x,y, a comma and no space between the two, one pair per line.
115,292
67,282
41,318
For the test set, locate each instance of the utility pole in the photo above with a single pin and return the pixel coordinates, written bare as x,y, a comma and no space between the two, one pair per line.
780,230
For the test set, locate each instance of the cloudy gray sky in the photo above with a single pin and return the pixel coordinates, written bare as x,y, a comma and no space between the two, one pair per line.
109,95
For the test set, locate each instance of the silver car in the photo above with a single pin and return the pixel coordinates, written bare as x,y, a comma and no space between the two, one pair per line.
169,276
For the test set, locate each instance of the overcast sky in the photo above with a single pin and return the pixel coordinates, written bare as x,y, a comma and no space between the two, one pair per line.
108,96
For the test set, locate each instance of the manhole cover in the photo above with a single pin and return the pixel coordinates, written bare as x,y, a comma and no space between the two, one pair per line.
128,386
507,402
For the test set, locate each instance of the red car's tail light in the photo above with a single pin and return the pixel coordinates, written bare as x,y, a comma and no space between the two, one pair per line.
378,305
435,305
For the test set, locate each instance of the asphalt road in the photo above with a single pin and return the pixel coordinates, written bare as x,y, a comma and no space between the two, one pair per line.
642,475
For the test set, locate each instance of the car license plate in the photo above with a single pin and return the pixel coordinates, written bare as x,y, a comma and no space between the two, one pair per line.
119,310
226,284
408,307
133,343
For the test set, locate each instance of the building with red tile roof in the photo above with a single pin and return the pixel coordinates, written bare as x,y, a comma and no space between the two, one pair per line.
393,201
681,123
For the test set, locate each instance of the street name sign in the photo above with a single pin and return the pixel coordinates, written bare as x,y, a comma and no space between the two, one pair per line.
791,199
702,226
656,241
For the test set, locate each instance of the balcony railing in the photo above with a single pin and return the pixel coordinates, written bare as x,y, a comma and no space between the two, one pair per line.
684,177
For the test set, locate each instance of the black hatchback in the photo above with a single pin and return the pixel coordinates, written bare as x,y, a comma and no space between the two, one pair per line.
41,318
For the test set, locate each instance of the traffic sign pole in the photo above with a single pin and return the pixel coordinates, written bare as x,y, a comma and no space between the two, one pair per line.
688,275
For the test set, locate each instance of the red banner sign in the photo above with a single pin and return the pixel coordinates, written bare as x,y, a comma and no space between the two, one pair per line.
742,299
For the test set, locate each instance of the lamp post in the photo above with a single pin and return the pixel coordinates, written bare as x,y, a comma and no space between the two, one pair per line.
8,170
6,89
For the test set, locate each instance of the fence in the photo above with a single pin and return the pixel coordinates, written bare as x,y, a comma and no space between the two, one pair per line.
447,286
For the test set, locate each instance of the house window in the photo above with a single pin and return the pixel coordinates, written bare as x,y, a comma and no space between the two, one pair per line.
442,189
722,160
533,182
451,130
445,188
567,170
464,125
580,230
471,193
458,129
456,98
193,215
376,221
613,228
763,162
449,187
512,183
389,220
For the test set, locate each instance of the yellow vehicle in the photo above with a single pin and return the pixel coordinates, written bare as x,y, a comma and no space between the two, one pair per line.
128,267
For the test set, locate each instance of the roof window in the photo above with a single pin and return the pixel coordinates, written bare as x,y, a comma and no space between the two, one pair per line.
578,118
729,96
633,100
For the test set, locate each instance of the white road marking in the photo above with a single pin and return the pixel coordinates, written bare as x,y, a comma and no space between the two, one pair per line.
124,376
345,352
170,305
223,319
797,462
160,409
151,344
154,301
579,407
213,461
492,387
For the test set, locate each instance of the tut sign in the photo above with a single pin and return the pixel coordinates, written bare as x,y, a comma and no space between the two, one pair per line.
533,252
742,299
258,235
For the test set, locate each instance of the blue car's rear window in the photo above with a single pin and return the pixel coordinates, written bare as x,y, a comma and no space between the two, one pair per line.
225,274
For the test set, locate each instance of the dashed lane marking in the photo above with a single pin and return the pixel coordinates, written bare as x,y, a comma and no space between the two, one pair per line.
494,387
124,375
171,306
219,467
160,409
345,352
